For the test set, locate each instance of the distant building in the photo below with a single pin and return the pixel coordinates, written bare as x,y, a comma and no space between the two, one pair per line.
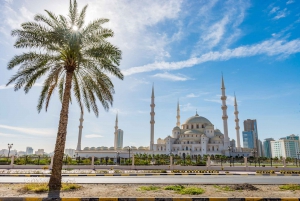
250,134
21,153
120,139
40,152
267,147
248,141
29,150
70,152
285,147
260,148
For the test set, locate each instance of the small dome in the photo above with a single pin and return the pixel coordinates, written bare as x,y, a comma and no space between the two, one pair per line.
216,138
191,132
176,128
105,148
93,148
141,148
98,148
197,119
86,148
111,148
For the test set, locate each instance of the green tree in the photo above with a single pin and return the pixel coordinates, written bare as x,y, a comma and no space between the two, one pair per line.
74,57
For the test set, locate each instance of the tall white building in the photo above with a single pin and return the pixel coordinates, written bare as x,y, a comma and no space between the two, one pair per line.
285,147
70,152
40,152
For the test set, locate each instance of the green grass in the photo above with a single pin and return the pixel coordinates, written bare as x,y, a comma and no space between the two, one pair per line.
149,188
43,187
224,188
191,191
292,187
174,187
185,191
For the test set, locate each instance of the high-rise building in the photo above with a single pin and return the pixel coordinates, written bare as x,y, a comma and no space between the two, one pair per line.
29,151
248,139
267,147
70,152
40,152
250,129
285,147
260,148
120,139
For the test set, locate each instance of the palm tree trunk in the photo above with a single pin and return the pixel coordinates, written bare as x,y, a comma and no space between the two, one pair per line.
55,179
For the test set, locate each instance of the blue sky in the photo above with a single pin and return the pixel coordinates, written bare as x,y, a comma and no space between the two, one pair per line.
182,47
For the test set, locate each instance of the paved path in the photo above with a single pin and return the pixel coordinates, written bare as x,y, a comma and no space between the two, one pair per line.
209,179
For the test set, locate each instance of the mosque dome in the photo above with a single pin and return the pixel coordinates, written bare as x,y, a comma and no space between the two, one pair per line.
197,119
191,132
86,148
176,128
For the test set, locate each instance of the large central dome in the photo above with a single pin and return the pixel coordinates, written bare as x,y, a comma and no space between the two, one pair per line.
197,119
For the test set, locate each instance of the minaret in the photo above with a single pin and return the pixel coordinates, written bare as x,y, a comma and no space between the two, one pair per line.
152,122
237,127
116,133
80,132
178,115
224,117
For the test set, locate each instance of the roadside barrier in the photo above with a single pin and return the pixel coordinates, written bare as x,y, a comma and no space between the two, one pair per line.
157,174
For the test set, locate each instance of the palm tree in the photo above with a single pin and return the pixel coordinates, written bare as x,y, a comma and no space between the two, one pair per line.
73,56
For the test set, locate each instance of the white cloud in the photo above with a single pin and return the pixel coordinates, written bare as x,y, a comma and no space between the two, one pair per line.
187,107
32,131
274,10
8,135
269,47
192,95
172,77
281,14
93,136
290,1
229,100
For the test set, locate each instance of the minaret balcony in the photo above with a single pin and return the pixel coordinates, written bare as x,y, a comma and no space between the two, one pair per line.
223,97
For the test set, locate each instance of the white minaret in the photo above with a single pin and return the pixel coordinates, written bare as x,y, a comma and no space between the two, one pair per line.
224,117
237,127
178,115
80,132
116,133
152,122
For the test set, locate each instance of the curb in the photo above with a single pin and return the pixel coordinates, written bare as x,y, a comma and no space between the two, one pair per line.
148,199
162,174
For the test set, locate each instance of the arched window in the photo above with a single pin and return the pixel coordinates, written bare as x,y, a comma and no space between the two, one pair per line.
186,148
187,126
202,126
197,125
192,127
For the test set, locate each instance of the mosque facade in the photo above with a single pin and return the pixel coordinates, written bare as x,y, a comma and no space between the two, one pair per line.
196,136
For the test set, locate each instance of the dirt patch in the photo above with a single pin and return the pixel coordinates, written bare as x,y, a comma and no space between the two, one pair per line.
133,190
245,186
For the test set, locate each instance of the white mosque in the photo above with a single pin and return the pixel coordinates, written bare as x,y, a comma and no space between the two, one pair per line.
196,136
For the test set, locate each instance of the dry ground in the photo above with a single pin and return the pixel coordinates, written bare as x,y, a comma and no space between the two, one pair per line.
132,190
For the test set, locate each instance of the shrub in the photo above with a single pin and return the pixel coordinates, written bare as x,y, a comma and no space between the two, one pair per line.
292,187
149,188
191,191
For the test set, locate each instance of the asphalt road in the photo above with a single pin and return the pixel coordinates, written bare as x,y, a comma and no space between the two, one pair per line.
209,179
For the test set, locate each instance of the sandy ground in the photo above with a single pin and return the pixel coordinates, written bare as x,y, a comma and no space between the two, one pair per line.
132,190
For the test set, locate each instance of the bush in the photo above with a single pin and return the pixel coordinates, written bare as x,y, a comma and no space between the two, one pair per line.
292,187
149,188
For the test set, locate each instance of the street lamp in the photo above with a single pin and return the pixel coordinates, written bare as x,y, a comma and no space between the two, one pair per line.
229,150
253,152
118,158
129,149
298,154
9,147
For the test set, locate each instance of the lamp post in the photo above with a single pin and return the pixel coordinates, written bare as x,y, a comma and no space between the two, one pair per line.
9,147
298,154
229,150
118,158
253,152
